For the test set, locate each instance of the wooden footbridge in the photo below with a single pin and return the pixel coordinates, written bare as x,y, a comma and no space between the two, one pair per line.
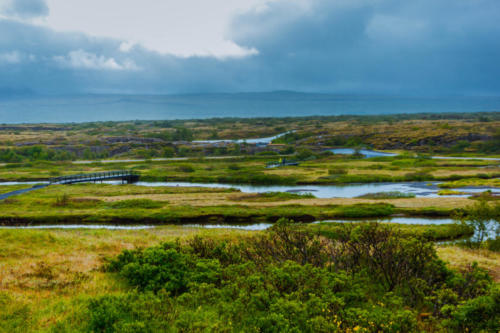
123,175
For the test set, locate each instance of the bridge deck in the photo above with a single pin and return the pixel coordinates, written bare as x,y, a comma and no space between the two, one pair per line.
124,175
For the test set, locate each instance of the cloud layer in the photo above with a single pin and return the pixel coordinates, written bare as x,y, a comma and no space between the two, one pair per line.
24,9
353,46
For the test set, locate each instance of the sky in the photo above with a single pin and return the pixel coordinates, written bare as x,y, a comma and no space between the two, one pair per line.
419,47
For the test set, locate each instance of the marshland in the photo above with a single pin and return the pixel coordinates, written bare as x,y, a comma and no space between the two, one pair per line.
342,241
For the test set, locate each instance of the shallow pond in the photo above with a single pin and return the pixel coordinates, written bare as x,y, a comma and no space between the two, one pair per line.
365,152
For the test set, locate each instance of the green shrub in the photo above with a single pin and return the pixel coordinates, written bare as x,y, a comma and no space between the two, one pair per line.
164,268
368,278
185,168
133,312
233,167
481,314
493,244
63,200
304,154
267,153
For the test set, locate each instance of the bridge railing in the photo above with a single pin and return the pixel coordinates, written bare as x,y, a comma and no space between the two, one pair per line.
97,176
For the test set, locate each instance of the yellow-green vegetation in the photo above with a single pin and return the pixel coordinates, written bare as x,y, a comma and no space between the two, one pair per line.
88,203
493,182
11,188
461,257
46,275
73,280
326,169
450,192
105,203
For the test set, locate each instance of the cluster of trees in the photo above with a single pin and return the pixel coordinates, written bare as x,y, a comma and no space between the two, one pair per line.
34,153
366,278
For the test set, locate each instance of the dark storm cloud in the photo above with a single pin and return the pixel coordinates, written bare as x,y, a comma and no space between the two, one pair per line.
362,46
385,45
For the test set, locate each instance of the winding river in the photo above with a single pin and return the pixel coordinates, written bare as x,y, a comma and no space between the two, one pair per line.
419,189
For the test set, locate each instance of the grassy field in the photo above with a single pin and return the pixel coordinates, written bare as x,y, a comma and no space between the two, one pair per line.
131,204
252,170
47,275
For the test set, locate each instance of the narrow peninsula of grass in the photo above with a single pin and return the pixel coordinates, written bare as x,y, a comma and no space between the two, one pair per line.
272,196
387,195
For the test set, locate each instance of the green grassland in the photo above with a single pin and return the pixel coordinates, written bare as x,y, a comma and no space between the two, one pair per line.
56,281
252,170
132,204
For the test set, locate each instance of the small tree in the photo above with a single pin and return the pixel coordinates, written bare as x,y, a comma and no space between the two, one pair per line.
483,218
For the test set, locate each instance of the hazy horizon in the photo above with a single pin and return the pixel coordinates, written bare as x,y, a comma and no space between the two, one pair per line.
120,107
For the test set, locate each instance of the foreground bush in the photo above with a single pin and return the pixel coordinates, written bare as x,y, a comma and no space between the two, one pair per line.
367,278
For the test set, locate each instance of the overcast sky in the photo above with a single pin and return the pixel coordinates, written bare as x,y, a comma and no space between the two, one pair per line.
195,46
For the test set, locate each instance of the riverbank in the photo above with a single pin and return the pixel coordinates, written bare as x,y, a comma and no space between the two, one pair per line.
132,204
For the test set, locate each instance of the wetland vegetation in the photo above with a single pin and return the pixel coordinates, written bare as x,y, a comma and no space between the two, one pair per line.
295,276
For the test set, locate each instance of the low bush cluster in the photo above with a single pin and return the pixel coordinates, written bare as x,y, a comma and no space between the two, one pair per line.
368,278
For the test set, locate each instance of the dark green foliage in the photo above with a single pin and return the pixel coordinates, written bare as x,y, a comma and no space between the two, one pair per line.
368,277
291,138
34,153
165,268
436,232
304,154
185,168
484,218
481,314
493,244
233,167
134,312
